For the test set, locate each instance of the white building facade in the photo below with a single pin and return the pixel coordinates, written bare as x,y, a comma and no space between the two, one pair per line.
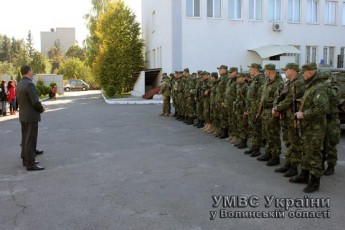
63,38
203,34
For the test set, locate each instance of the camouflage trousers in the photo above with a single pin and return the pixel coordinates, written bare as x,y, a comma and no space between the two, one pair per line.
190,107
292,141
332,139
200,109
231,118
256,130
242,125
215,116
166,104
174,99
223,116
271,130
206,111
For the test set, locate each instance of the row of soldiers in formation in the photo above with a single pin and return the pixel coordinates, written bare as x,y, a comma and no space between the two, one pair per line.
238,106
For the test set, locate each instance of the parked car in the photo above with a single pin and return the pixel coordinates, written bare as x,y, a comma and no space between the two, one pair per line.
76,84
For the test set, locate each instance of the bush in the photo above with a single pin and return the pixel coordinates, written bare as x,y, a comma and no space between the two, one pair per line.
39,89
110,90
40,82
52,84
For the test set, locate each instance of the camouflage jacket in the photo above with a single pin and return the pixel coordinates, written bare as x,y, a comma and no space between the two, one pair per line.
213,92
165,88
221,88
254,93
230,92
271,90
314,105
284,102
241,94
334,94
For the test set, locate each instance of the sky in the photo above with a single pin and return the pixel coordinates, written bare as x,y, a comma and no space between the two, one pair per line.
17,17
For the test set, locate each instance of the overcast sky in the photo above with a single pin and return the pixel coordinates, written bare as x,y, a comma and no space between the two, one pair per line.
17,17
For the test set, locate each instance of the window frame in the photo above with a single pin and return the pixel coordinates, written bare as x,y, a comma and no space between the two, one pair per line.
193,9
311,20
236,18
328,10
328,55
214,9
294,12
254,12
275,11
311,54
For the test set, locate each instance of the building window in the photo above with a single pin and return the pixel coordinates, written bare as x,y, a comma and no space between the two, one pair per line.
312,11
193,8
294,10
235,9
330,12
255,9
154,58
341,59
328,55
214,8
310,54
343,14
275,10
153,21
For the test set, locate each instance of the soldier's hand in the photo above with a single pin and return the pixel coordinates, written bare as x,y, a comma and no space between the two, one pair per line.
299,115
246,114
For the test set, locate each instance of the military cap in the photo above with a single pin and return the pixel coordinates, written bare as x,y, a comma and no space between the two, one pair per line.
270,67
214,74
293,66
223,67
200,71
255,66
165,77
186,70
176,71
309,66
165,74
181,72
233,69
172,75
205,72
241,75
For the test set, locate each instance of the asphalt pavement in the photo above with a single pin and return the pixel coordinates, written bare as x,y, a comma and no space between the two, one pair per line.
126,167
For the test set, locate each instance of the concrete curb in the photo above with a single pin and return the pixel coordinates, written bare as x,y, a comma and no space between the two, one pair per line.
125,101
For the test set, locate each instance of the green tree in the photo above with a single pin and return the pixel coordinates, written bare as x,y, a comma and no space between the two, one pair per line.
75,52
74,68
7,68
40,63
120,47
5,49
56,58
30,44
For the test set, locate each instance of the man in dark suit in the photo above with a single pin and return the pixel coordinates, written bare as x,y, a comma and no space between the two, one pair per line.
30,109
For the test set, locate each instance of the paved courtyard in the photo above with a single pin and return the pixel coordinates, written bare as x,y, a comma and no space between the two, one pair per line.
125,167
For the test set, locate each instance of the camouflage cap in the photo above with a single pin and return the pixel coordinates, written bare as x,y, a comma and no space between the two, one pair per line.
180,72
165,77
233,69
270,67
165,74
176,71
186,70
309,66
292,66
214,74
172,75
223,67
255,66
200,71
241,75
207,73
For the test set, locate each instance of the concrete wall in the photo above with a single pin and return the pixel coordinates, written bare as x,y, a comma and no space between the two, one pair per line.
49,78
139,86
207,43
65,37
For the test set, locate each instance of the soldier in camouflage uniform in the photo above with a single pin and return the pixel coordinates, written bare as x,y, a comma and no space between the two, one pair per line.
223,113
215,126
199,102
190,97
182,96
312,117
174,83
205,92
271,125
165,91
255,86
332,137
286,105
230,97
239,106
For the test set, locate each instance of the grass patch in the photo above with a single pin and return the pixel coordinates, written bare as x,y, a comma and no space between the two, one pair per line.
116,96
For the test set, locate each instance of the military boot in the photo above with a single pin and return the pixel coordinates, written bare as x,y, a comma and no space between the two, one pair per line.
197,122
275,160
249,151
238,141
313,185
265,157
200,125
224,134
162,114
255,153
302,178
291,172
284,168
329,171
211,130
218,133
190,121
242,144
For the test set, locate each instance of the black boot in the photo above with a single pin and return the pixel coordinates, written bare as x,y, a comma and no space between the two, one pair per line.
275,160
224,134
302,178
249,151
242,144
329,171
197,123
201,124
313,185
265,157
291,172
190,121
284,168
256,152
